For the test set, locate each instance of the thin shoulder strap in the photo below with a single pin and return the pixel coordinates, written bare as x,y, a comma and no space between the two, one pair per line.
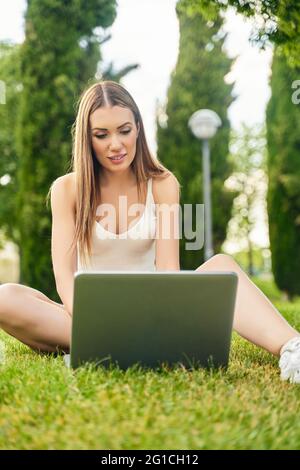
150,199
149,190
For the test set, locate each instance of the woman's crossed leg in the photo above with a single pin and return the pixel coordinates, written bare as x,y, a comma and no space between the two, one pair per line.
33,318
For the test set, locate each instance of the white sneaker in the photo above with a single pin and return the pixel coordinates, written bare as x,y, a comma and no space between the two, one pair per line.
289,361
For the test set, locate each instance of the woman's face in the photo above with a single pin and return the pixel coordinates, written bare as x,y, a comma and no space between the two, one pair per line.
114,133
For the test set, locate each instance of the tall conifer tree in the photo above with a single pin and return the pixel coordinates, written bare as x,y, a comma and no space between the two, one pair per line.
59,56
198,82
283,198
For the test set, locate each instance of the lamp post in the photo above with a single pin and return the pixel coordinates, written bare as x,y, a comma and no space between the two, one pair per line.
203,124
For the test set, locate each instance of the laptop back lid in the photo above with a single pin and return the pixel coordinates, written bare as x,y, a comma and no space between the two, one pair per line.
153,318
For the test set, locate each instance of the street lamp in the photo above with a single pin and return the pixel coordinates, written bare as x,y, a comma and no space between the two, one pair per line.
203,124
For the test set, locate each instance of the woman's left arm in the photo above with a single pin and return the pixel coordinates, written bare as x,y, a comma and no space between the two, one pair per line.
166,198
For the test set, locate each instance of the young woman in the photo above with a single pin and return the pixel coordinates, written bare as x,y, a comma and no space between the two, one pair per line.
111,160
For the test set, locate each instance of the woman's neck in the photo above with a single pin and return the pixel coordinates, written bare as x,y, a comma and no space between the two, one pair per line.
122,180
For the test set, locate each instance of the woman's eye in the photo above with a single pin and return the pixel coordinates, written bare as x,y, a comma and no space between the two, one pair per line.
104,135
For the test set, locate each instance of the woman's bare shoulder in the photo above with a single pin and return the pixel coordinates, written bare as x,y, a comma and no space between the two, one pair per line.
67,178
165,187
68,182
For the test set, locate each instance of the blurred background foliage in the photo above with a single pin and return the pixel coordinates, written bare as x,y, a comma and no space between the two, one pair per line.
275,21
203,63
253,168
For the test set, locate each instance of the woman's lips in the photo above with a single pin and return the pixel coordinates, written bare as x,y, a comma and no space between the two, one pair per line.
117,156
118,160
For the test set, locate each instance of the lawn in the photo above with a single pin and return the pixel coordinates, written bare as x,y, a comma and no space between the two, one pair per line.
44,405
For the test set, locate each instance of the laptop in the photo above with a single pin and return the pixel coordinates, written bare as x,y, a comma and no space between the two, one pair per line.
152,319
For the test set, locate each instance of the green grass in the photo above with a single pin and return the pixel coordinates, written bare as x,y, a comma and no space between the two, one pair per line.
44,405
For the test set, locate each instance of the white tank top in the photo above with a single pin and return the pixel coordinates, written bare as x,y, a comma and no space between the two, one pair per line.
133,250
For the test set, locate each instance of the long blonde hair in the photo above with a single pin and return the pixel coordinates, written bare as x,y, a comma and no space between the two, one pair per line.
86,166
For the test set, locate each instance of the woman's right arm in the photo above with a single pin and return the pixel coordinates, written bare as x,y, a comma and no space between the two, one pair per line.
64,261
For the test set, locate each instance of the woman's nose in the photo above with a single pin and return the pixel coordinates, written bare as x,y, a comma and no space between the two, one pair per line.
115,142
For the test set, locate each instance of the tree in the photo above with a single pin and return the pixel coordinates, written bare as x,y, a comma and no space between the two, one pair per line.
283,197
277,21
56,62
248,155
11,76
43,79
198,82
